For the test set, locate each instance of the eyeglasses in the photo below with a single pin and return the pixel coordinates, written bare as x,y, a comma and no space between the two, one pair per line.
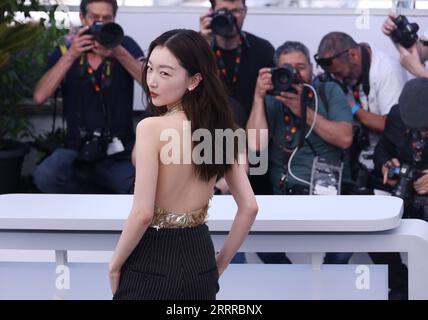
237,11
325,62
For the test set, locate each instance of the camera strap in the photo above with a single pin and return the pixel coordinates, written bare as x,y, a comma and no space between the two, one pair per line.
305,99
365,82
98,85
106,74
221,65
364,79
293,124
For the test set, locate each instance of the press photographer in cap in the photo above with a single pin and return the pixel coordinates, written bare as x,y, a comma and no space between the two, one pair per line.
401,157
94,72
413,49
402,152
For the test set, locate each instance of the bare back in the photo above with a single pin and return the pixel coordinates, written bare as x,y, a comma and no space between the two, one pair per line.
178,188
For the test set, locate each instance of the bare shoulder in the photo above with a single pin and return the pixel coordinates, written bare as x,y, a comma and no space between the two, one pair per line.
149,126
157,123
149,129
148,123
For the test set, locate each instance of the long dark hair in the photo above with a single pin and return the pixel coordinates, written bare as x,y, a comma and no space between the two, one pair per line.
207,106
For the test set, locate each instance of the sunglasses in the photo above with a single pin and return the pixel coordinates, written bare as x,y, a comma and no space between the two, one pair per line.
325,62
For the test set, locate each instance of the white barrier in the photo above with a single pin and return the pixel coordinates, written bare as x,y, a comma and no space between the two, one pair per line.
284,224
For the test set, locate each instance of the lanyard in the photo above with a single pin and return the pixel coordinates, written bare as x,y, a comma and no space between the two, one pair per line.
105,79
293,124
222,67
98,86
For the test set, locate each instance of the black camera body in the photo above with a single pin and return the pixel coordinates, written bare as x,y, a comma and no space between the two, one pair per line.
415,206
409,173
96,146
92,150
108,34
406,175
282,79
224,23
406,32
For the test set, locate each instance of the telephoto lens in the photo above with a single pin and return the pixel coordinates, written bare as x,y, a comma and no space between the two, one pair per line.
282,79
109,34
223,23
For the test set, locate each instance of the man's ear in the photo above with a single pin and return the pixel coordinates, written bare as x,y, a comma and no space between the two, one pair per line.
194,81
353,54
82,18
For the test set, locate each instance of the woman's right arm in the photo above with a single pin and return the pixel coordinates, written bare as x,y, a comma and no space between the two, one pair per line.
243,194
146,174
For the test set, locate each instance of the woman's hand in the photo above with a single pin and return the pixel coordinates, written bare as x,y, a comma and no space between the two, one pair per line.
220,266
114,277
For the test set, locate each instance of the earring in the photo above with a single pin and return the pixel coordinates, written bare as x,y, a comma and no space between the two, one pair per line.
190,89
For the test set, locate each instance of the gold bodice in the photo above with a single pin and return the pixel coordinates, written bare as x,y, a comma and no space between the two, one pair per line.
165,219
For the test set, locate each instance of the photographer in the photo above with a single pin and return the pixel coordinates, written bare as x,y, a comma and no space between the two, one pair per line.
239,56
372,82
95,74
413,57
403,146
279,112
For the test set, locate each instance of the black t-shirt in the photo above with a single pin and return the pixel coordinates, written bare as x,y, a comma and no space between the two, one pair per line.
256,53
83,107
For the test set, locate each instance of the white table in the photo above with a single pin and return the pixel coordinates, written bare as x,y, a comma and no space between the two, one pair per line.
284,224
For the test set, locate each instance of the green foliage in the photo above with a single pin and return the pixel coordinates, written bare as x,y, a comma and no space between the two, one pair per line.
24,49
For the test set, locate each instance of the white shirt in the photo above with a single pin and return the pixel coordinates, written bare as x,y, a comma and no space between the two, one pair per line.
387,79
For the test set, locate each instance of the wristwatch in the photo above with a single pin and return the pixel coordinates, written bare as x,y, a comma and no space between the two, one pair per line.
355,108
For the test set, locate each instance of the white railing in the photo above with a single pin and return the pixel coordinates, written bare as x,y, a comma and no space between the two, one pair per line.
284,224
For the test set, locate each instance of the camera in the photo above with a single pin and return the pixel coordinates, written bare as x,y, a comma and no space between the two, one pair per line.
406,32
407,174
109,34
282,79
95,147
223,23
92,150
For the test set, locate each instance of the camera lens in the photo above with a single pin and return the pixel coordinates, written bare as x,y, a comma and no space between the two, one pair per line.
109,35
283,78
223,23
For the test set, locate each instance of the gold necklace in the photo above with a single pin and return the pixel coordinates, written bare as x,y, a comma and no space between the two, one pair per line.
174,108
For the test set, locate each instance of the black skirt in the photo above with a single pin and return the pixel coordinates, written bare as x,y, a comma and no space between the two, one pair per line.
171,264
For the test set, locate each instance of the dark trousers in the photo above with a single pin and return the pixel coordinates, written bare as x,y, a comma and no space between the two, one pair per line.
171,264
